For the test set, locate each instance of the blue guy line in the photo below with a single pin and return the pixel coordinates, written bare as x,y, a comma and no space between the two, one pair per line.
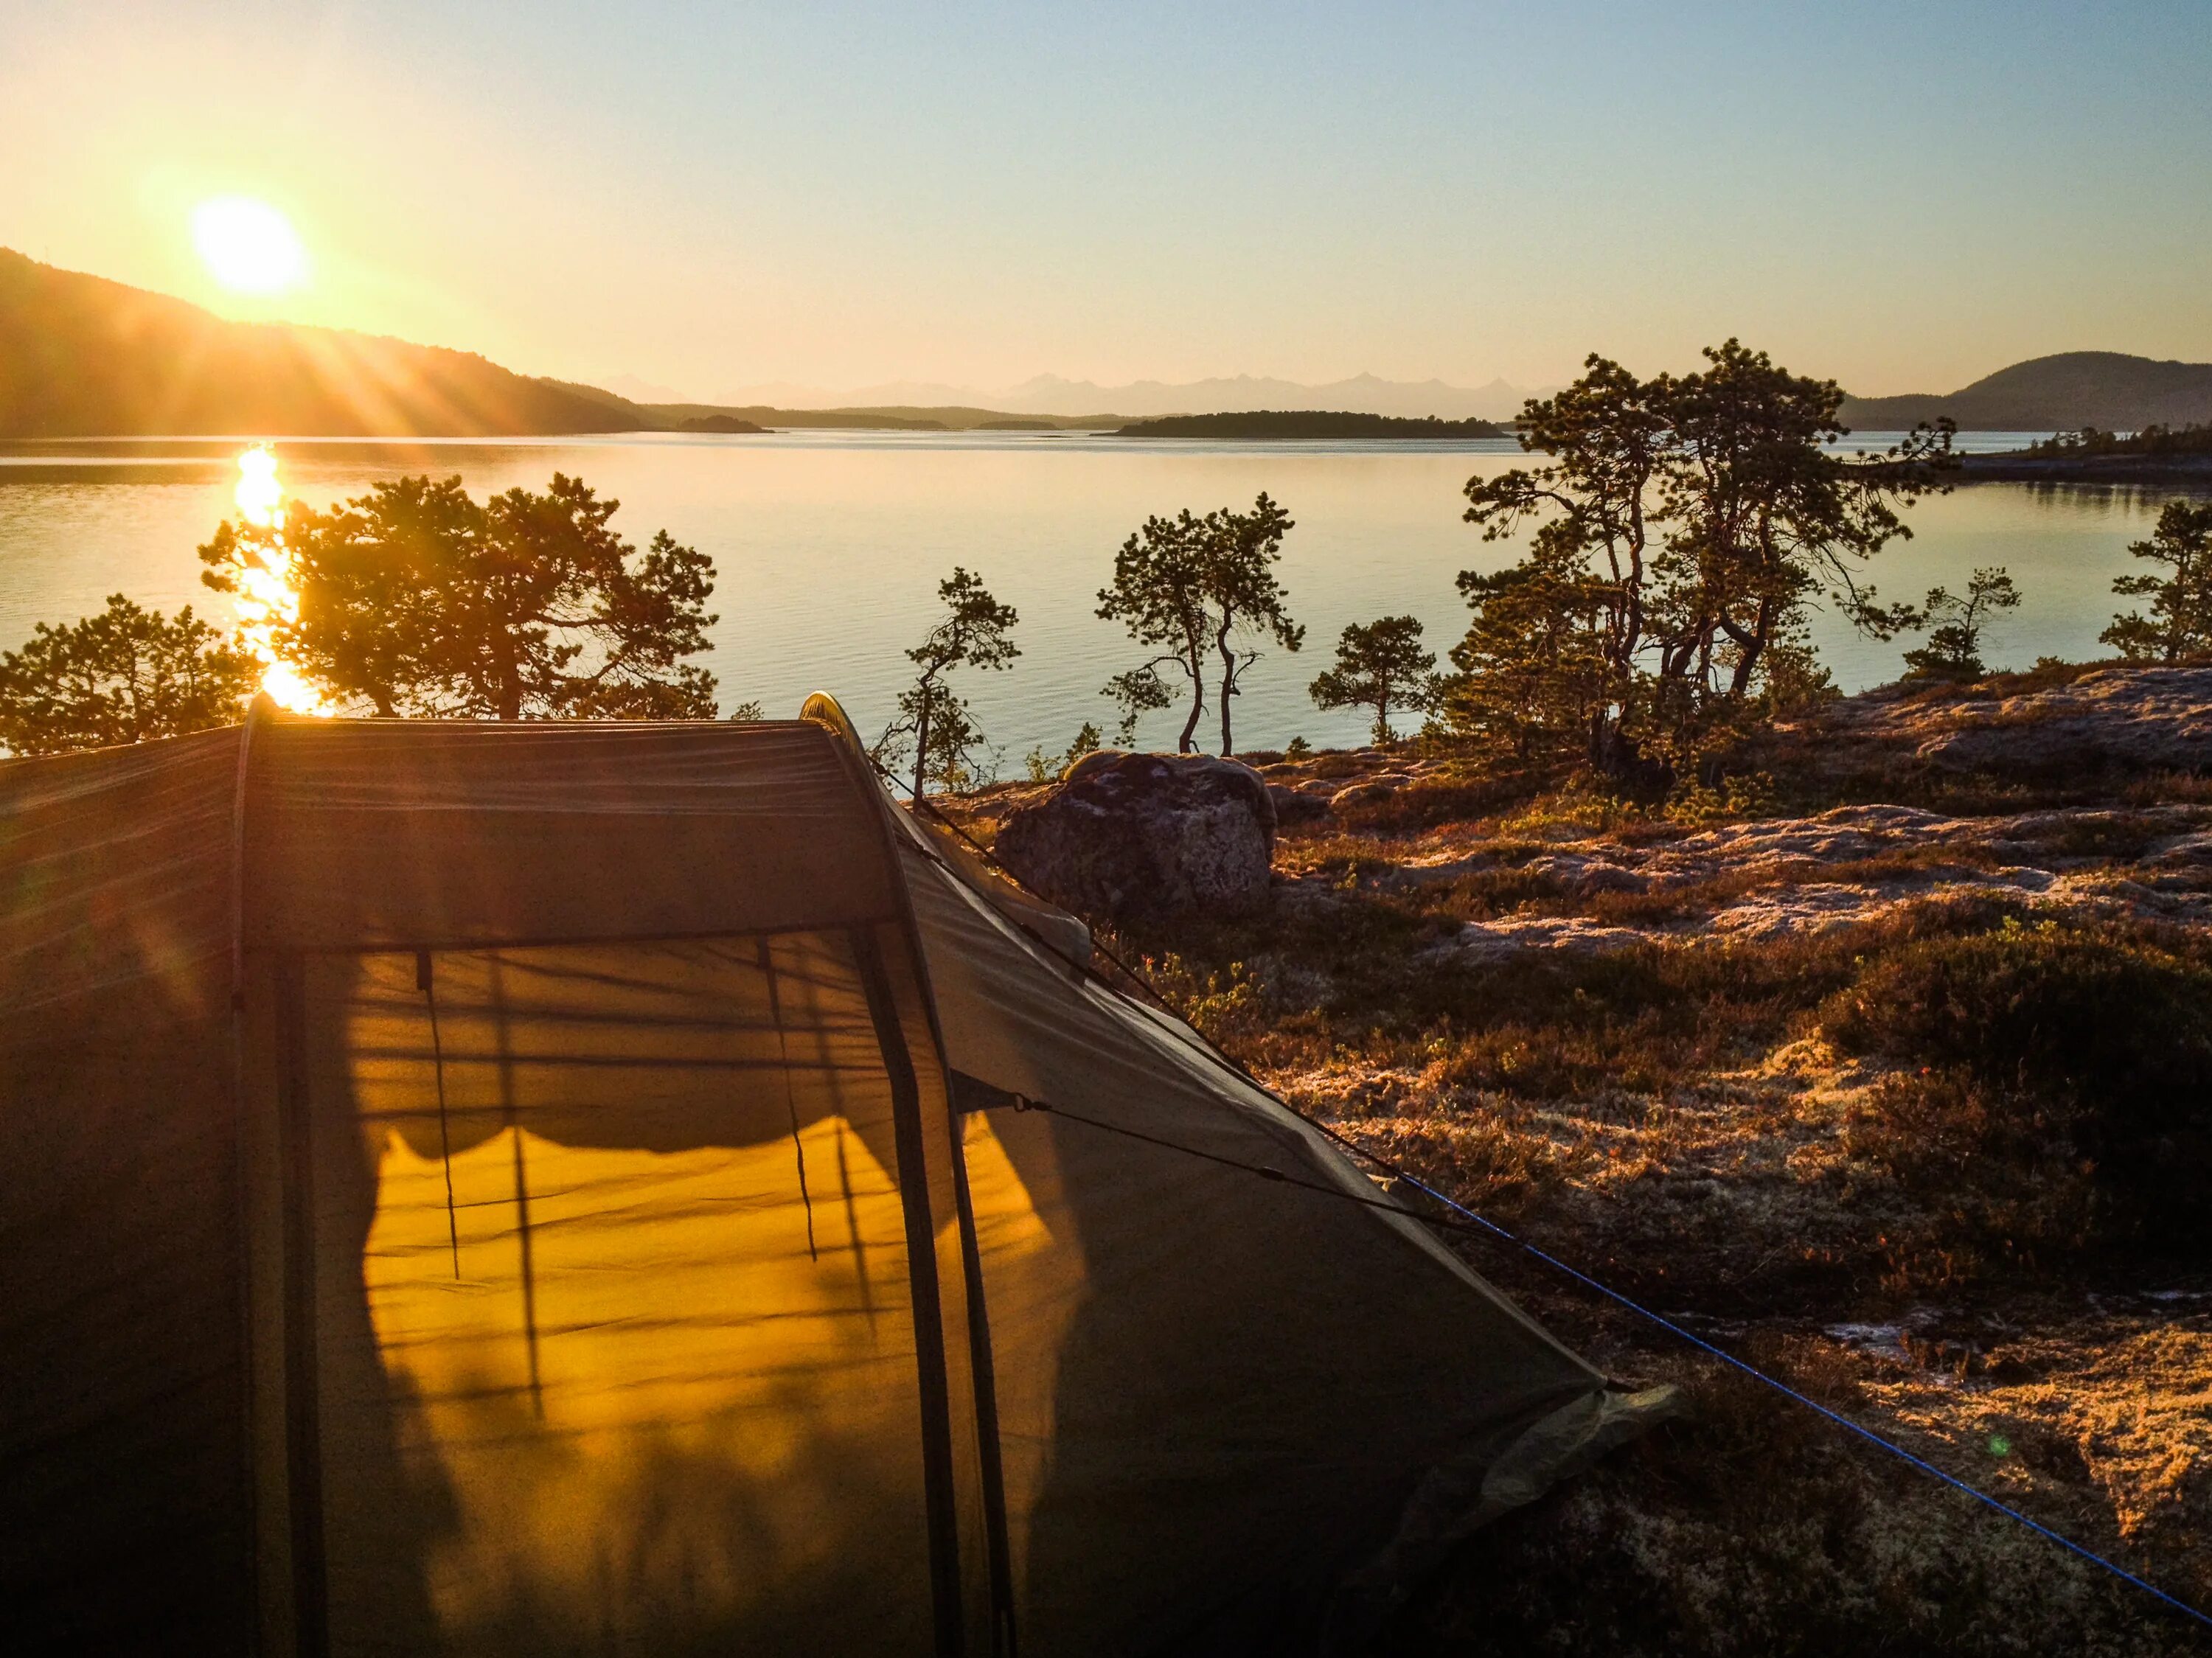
1788,1392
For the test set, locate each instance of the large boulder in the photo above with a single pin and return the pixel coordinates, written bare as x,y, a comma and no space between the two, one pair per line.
1146,834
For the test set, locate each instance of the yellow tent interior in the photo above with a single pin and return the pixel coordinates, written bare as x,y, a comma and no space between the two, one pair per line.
541,1188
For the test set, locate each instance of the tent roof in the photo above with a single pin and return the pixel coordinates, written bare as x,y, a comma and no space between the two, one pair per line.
344,841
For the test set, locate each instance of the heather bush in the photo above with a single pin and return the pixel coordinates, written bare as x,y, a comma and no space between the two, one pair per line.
2107,1030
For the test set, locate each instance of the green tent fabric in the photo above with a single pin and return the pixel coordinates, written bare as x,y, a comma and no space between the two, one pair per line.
546,1188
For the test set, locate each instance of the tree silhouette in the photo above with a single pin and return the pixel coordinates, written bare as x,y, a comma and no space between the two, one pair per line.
1189,587
934,725
1158,593
1535,680
1953,650
1249,602
2181,621
416,599
1380,665
1605,441
123,675
1684,525
1042,767
1138,692
1763,514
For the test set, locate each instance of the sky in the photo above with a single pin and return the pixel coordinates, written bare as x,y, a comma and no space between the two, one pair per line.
709,196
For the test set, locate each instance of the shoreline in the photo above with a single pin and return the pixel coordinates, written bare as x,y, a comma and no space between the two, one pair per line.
2097,468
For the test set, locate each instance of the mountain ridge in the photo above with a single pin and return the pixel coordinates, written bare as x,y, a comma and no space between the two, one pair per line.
2063,391
83,357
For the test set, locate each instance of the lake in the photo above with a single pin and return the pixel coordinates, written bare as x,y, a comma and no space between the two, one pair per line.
830,545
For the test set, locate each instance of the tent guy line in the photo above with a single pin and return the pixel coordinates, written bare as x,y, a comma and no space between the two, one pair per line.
424,981
1665,1323
1482,1225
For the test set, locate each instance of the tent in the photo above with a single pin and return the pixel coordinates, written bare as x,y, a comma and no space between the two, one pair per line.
631,1189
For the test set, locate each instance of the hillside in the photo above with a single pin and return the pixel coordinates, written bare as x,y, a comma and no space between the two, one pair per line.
81,356
2065,392
1369,394
1276,425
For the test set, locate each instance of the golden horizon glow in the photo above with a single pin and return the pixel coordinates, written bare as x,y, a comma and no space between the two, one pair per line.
248,245
266,599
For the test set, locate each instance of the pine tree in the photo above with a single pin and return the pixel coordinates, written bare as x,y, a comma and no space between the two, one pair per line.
1381,665
123,675
416,599
1953,650
935,727
1190,588
2179,624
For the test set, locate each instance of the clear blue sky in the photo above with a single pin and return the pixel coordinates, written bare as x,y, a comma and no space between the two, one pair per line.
711,196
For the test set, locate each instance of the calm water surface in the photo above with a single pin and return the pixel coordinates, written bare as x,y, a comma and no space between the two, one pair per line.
830,545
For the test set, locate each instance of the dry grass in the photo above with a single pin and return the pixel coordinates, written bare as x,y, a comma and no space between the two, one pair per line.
1922,1121
1754,1528
1679,1119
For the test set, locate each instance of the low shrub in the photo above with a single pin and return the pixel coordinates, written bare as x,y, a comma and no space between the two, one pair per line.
2106,1029
1735,800
1485,894
1994,1171
2113,837
1546,1025
1755,1529
1449,799
1553,1025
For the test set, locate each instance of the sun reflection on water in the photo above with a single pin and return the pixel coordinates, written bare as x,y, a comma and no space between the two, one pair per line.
267,600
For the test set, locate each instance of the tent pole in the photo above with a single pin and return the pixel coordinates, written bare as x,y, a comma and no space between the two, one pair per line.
824,711
1005,1642
302,1402
242,1174
938,1476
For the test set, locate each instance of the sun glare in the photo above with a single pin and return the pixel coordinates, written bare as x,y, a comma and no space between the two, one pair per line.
266,599
258,495
248,245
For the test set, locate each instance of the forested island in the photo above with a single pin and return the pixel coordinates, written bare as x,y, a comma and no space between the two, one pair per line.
2155,454
1275,425
725,425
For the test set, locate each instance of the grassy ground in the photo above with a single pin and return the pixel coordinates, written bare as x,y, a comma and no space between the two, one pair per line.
1931,1150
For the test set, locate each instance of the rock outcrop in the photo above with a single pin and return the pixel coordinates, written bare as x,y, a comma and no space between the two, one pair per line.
2110,720
1131,835
1777,877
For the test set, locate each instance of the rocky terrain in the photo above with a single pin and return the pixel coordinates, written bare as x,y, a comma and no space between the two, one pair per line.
1887,1067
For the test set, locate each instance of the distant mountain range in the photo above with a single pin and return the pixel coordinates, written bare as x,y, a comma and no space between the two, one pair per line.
81,356
1050,395
2063,393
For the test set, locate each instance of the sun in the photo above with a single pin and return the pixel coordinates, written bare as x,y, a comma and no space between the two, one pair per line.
249,246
